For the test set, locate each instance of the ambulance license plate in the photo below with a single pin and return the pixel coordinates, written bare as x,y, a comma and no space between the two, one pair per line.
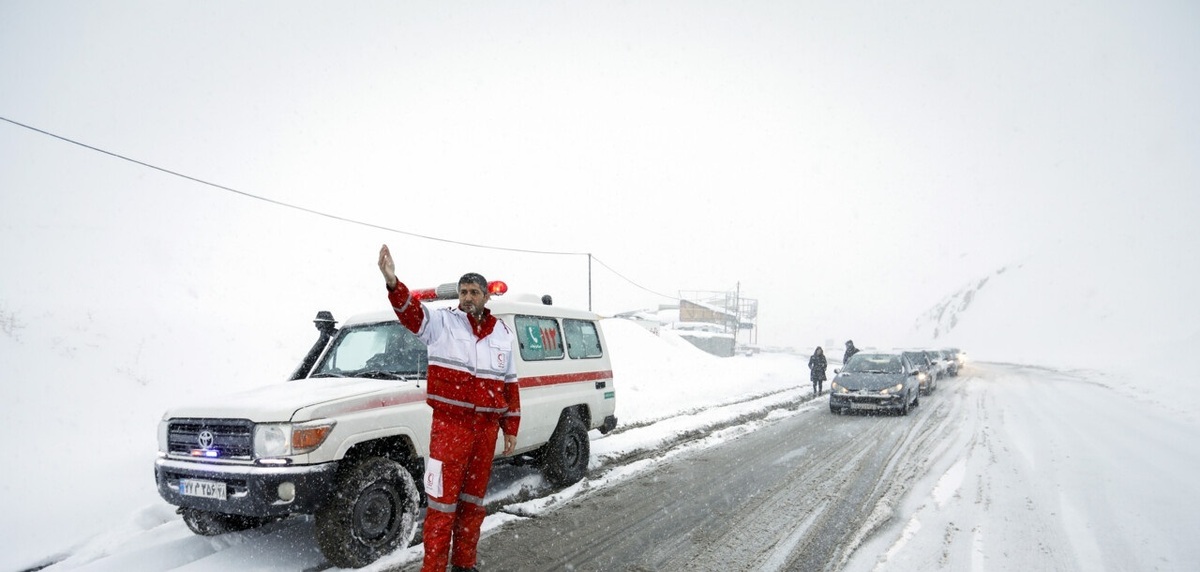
198,488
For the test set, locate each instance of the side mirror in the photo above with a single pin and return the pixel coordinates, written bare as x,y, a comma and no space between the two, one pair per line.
837,370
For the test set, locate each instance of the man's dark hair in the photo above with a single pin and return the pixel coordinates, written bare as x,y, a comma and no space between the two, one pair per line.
474,278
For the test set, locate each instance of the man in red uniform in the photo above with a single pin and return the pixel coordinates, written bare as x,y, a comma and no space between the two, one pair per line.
473,392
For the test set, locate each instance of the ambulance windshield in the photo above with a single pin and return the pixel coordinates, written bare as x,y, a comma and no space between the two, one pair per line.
382,351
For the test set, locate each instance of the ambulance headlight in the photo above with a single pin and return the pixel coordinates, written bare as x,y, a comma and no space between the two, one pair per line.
284,439
272,440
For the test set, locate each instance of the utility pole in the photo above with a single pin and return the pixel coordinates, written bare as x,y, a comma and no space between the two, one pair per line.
737,312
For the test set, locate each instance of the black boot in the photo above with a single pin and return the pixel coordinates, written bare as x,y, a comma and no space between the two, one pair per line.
461,569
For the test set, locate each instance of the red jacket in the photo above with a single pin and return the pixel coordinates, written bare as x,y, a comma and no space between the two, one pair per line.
470,363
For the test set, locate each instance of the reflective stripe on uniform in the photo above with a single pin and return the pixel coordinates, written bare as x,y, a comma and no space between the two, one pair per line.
466,405
404,306
446,362
449,401
489,373
443,507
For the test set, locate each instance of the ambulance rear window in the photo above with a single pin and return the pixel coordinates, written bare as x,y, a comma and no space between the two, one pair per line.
582,339
539,338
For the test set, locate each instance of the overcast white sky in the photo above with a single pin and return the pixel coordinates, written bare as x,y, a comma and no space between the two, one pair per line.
847,163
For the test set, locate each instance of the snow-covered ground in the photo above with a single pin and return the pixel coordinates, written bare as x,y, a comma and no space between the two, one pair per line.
1019,179
98,339
1048,470
1017,471
98,493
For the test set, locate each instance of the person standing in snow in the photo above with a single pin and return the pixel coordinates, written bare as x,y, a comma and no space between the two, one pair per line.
850,350
816,368
472,388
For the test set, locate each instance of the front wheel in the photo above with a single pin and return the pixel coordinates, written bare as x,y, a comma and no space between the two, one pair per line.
373,512
564,458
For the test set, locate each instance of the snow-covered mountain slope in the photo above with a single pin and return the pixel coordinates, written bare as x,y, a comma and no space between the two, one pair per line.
1085,308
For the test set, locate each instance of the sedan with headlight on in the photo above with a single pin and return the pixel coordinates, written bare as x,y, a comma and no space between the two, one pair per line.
876,382
931,366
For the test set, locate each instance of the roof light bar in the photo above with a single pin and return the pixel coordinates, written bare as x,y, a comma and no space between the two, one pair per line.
450,291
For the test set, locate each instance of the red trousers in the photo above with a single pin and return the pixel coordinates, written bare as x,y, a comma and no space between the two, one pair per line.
464,444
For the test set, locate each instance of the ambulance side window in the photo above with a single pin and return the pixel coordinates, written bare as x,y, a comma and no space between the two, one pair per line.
582,339
539,338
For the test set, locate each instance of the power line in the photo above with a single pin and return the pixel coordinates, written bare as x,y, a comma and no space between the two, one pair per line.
281,203
622,277
320,213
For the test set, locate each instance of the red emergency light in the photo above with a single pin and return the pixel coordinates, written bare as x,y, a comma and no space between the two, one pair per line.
450,291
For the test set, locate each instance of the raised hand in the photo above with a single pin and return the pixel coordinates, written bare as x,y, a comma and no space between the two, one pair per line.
388,267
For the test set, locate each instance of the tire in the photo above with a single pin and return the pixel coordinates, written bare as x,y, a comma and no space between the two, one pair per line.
904,408
207,523
372,513
564,458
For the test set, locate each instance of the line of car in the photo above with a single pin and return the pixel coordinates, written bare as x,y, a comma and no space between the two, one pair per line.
891,380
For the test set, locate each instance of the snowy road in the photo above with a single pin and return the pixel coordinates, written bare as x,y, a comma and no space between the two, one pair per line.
1049,470
1004,468
790,496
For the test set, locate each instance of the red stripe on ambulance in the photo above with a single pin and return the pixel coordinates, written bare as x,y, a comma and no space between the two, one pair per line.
541,380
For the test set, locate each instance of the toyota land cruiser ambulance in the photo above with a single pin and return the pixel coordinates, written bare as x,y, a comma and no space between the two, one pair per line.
346,438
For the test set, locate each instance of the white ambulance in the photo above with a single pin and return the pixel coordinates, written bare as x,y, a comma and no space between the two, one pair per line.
346,438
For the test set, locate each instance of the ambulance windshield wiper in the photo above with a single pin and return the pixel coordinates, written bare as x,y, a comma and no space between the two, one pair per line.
328,374
380,374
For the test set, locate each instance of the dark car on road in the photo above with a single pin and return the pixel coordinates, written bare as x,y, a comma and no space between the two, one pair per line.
876,381
928,364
